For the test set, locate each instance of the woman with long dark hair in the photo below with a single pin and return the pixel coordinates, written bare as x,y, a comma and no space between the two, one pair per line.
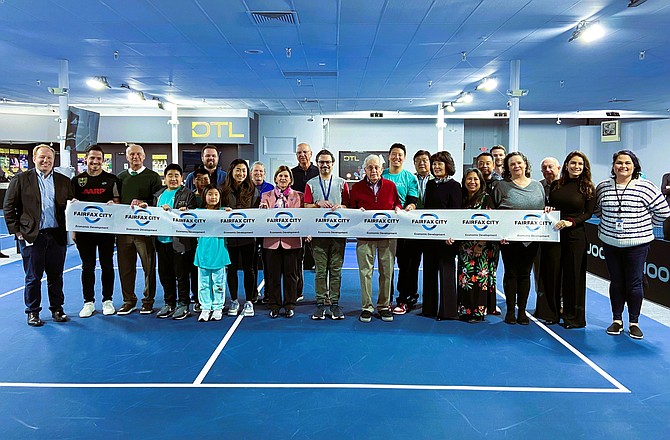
628,206
439,264
239,192
563,264
477,259
517,191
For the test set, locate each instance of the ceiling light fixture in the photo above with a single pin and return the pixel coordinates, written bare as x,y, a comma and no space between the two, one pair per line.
449,107
464,97
288,52
587,31
133,95
487,84
635,3
98,83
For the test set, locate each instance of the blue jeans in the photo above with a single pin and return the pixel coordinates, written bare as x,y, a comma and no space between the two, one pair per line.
626,268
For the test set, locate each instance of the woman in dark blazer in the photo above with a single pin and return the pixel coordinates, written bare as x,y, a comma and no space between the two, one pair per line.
440,299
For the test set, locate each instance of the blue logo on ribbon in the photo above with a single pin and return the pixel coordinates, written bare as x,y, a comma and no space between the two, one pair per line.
283,215
91,208
187,215
429,215
532,217
142,211
480,216
381,215
237,215
332,215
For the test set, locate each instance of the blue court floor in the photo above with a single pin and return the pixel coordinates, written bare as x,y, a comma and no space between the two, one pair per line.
252,377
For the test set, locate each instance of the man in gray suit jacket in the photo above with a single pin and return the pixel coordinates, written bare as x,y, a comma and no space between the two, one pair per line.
35,213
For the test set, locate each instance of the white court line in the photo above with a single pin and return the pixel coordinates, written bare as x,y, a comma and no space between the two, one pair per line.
576,352
18,289
208,366
343,386
619,388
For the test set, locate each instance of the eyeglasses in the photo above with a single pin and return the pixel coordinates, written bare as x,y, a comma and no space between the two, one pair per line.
325,162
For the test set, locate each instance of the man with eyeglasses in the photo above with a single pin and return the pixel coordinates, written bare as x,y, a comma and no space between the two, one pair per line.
327,192
375,193
301,175
408,191
408,280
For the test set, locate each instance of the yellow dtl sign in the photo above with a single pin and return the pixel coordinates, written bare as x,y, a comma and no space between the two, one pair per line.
202,129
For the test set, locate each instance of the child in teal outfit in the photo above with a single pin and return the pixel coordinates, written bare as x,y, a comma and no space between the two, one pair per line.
211,258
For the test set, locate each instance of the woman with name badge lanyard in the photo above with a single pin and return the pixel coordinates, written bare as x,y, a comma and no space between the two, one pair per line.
239,192
282,253
628,206
563,264
517,191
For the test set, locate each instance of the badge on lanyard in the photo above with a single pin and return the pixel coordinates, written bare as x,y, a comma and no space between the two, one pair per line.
618,224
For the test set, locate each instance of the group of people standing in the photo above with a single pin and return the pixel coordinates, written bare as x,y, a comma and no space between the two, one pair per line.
459,277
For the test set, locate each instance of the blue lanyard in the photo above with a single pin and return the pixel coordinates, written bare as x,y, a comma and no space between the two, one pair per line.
326,195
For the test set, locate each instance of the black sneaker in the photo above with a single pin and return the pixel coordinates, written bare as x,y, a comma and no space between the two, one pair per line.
290,313
165,312
125,309
320,312
386,315
635,332
615,329
146,309
181,312
197,307
510,319
366,316
336,312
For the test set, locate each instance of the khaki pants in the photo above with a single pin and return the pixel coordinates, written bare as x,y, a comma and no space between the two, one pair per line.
128,247
328,258
384,250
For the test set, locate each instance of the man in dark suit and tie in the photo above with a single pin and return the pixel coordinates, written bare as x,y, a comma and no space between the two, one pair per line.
35,212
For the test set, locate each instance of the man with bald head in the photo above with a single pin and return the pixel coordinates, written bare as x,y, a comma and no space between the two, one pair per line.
551,171
302,173
138,185
34,210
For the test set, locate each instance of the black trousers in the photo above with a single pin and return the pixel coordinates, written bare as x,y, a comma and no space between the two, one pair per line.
46,254
440,297
304,260
174,273
518,261
242,258
87,245
563,269
408,255
281,264
666,229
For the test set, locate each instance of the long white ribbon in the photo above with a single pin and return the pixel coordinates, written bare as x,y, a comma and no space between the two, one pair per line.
459,224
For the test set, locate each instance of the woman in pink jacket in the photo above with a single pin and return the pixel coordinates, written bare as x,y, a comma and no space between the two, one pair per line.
282,252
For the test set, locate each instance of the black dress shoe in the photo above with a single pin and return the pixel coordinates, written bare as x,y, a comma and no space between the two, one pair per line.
569,326
3,255
510,319
34,319
522,320
59,316
549,322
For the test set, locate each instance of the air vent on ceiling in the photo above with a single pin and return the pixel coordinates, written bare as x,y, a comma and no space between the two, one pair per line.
308,73
278,17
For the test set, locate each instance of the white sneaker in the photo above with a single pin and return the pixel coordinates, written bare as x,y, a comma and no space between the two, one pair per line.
108,307
234,308
204,316
88,310
248,309
217,315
